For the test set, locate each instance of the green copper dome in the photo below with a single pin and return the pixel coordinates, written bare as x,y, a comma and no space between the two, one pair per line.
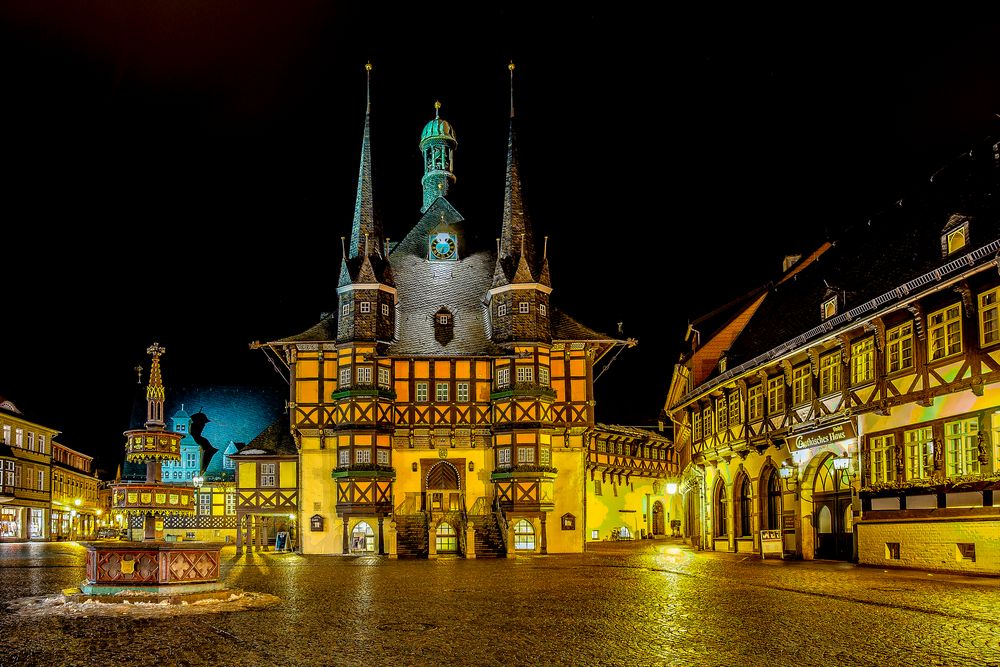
438,128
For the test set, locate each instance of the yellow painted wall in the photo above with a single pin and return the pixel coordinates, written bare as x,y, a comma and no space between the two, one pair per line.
929,544
287,474
603,512
318,496
248,474
568,491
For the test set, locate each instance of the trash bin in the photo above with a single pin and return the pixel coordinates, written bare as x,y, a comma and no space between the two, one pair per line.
280,540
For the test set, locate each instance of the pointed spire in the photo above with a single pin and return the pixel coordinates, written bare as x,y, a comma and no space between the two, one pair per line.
154,390
516,228
543,274
364,212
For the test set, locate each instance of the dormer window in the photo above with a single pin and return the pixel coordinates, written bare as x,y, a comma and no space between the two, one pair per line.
444,326
501,310
955,235
828,308
523,307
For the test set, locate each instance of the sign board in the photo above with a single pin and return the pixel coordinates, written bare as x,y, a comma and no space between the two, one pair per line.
824,436
788,522
771,543
316,523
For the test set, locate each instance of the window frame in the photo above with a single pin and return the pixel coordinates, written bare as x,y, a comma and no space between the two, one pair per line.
947,331
863,361
961,448
441,392
991,310
899,340
421,391
801,384
776,396
755,402
829,373
882,458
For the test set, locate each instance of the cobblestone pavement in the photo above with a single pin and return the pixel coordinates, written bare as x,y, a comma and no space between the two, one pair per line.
646,603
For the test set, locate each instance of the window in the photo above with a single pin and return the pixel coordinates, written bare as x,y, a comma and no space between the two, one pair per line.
524,307
364,375
734,408
755,401
801,385
421,392
383,457
829,373
366,306
956,240
503,456
961,447
776,396
966,551
988,331
543,376
41,480
503,377
31,441
383,377
190,459
919,444
524,536
444,318
230,503
899,347
863,361
462,392
6,434
828,308
696,426
995,433
772,518
883,458
708,419
545,456
441,392
344,456
363,455
345,377
385,309
267,474
345,310
721,415
944,329
892,550
445,538
720,510
525,454
541,309
228,463
501,309
598,491
524,374
19,437
205,503
745,507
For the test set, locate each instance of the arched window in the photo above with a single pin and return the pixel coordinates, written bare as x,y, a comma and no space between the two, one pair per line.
720,509
524,536
772,511
446,539
745,506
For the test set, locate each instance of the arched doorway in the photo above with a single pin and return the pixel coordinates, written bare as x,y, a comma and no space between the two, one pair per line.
362,539
832,513
524,536
443,484
446,539
744,507
658,523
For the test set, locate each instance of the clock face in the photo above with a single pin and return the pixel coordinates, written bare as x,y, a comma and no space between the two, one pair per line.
443,246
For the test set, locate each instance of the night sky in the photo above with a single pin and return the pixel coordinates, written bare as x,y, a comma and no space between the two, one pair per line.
162,161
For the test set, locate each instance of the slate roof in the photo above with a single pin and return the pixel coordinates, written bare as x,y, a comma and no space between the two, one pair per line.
274,440
869,260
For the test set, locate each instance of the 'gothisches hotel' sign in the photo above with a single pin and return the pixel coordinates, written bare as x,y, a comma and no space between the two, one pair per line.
824,436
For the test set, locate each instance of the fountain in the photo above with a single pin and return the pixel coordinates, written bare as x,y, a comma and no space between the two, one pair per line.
153,566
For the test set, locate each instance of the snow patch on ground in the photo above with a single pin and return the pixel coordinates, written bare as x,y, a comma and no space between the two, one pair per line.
59,605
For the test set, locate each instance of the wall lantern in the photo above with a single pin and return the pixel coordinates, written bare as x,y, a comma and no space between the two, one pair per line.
671,488
790,476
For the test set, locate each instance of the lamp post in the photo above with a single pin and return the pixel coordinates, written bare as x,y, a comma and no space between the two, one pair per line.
790,477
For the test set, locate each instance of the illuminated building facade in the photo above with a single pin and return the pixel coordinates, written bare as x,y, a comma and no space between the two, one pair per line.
76,505
25,486
852,407
446,406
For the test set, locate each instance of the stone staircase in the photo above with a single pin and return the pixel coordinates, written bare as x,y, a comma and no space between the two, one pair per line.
411,536
489,544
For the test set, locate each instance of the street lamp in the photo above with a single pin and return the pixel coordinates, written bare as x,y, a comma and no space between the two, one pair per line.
790,477
197,481
671,488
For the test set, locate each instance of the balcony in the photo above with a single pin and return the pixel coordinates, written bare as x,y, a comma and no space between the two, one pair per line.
524,390
364,470
523,471
142,446
153,499
364,390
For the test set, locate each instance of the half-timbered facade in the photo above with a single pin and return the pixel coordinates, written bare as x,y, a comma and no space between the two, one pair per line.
447,405
853,405
25,482
266,489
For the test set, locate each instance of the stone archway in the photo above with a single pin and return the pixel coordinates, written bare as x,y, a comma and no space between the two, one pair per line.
443,485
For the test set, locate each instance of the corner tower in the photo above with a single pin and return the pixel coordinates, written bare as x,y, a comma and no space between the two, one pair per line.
367,293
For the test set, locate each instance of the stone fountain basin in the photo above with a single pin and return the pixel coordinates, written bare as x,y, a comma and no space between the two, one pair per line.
154,567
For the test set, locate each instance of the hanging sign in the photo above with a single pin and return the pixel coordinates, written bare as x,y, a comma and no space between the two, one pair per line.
824,436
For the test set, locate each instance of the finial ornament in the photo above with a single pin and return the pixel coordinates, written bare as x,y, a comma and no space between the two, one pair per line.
368,67
368,88
437,108
511,68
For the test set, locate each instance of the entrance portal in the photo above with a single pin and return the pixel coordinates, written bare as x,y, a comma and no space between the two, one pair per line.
443,487
832,513
362,539
658,523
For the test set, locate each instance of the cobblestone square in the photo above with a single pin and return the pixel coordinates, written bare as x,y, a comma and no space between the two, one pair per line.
629,603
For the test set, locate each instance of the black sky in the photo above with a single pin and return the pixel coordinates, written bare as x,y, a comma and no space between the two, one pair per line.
160,159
